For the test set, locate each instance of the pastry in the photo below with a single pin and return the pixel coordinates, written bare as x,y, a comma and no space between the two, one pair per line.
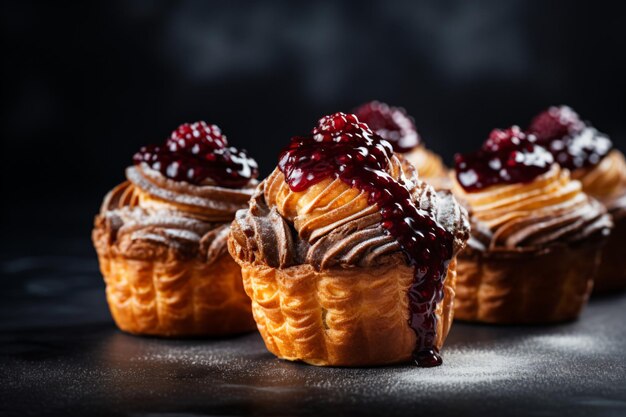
348,258
397,127
591,159
536,236
161,237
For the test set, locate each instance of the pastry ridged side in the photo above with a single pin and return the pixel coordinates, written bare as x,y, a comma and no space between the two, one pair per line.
338,317
167,295
548,286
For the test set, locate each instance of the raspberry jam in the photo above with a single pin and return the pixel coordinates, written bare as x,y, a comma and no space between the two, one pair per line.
571,141
391,123
509,156
197,151
342,147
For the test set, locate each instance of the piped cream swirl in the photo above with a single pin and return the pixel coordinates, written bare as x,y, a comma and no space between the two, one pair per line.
428,164
529,216
207,201
332,224
606,181
150,209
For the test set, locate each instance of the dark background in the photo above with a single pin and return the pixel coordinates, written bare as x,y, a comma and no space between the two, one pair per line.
85,84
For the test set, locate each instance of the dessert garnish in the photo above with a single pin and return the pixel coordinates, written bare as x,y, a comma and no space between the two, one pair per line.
573,143
508,156
391,123
197,151
343,147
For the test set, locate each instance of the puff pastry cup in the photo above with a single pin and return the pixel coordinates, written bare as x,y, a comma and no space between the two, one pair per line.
329,285
162,249
601,169
535,245
544,286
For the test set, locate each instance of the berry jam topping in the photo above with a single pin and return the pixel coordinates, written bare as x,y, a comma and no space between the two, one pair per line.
571,141
555,123
509,156
342,147
197,151
391,123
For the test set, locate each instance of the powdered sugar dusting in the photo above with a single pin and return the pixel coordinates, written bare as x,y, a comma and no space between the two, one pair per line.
73,361
471,366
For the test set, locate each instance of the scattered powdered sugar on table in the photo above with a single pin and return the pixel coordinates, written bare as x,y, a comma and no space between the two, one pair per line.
571,343
470,366
61,354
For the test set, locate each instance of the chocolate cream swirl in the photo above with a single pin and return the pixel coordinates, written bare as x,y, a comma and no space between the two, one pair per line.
149,215
526,217
332,224
206,201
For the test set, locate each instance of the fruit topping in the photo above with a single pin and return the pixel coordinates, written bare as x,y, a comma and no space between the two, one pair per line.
508,156
197,151
573,143
391,123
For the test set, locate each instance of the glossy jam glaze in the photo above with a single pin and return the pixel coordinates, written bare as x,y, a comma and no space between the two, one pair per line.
197,151
342,147
391,123
508,156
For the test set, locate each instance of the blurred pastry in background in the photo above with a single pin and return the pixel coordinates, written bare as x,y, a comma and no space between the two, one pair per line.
536,236
161,237
396,126
591,159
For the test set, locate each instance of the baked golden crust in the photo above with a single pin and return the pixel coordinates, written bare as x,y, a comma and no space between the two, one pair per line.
548,286
338,317
612,272
347,308
162,250
166,292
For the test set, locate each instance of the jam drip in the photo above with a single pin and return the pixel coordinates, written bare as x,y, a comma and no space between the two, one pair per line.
391,123
197,151
342,147
571,141
509,156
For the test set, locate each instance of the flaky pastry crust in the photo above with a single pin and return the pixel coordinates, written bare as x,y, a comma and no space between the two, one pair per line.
166,268
175,297
341,316
545,287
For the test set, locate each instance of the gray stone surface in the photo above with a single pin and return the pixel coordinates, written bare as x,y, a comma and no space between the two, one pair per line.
60,354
